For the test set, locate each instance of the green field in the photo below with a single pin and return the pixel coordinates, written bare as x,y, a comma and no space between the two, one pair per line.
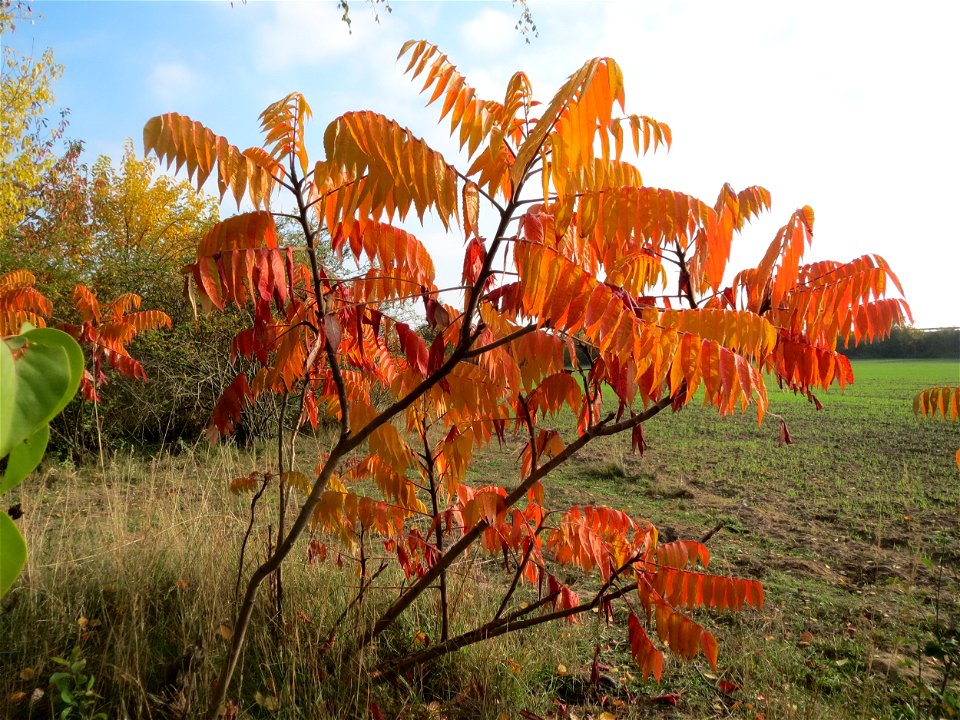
854,529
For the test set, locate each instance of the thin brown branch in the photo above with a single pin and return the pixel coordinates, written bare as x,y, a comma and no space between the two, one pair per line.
512,623
506,339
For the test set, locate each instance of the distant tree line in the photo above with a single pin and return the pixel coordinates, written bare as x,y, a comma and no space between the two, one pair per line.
911,342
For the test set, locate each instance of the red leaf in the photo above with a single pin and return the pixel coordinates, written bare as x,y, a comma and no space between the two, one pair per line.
647,657
437,315
638,441
413,347
785,437
670,698
533,224
207,277
125,365
473,261
229,408
727,687
436,354
331,326
310,407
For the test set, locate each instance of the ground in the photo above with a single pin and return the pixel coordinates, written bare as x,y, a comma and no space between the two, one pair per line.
853,530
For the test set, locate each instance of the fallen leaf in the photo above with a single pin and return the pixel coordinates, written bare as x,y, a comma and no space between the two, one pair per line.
225,631
562,669
28,673
270,703
670,698
607,716
727,687
805,639
15,698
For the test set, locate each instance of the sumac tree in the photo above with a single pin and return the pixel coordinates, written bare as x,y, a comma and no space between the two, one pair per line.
565,248
104,332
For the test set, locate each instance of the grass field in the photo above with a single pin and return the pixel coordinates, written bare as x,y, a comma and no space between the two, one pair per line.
854,529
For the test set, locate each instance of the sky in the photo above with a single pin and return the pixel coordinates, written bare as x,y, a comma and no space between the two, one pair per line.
849,107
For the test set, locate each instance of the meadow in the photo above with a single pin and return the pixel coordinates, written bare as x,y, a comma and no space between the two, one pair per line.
853,528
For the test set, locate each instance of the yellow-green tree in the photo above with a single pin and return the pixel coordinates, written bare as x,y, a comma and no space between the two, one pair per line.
143,227
26,137
118,229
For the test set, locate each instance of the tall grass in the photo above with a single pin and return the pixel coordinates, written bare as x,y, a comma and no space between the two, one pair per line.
137,566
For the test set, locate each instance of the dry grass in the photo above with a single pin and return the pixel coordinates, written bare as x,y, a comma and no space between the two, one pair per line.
136,567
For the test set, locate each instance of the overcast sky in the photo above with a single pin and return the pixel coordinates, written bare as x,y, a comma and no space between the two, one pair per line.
850,107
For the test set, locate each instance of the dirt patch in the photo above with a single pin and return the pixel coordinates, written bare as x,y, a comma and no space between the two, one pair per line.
816,545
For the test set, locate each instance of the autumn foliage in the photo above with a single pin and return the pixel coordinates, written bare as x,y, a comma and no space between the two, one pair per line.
104,331
21,302
939,403
566,254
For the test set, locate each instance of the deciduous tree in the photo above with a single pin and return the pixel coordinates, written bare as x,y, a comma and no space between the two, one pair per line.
144,228
27,132
565,247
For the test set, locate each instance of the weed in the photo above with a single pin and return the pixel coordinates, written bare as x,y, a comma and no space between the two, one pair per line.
75,688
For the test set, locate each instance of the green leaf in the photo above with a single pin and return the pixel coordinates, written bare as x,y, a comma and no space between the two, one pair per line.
934,650
24,458
8,390
14,555
48,374
51,337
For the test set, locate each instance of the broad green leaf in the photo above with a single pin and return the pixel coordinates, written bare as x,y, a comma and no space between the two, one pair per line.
57,338
14,554
48,375
24,458
8,390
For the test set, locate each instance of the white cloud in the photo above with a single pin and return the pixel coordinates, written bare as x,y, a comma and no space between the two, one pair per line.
490,32
172,82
